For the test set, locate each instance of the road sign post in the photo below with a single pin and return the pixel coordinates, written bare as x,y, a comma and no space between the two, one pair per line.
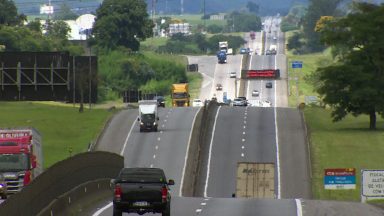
372,184
340,178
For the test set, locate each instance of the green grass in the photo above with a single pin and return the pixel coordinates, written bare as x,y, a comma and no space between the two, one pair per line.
300,88
151,44
345,144
195,80
62,128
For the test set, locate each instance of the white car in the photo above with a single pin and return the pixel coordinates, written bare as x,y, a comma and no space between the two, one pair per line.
197,103
255,93
232,74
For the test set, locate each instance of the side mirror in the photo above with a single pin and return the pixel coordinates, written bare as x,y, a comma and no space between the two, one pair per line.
34,162
171,182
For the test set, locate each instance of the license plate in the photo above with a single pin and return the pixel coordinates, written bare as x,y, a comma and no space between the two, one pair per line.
143,203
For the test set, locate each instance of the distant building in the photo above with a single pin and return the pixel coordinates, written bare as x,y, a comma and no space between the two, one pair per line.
217,17
183,28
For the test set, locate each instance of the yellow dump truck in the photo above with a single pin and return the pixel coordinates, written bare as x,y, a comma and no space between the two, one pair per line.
255,180
180,95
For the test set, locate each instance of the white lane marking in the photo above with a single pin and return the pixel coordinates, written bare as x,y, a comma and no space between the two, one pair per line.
158,138
98,212
245,122
245,113
242,147
151,166
242,154
161,132
162,125
186,155
198,210
166,116
277,142
126,139
244,127
245,117
154,156
203,204
156,147
299,210
210,154
243,132
243,140
165,120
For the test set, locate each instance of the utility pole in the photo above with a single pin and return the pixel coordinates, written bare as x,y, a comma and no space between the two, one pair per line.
182,7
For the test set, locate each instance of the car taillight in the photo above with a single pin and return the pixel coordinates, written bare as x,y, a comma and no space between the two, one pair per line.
118,192
27,177
164,193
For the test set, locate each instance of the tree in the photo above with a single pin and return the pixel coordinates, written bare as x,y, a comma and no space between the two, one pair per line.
355,83
122,23
65,13
243,22
316,9
8,13
253,7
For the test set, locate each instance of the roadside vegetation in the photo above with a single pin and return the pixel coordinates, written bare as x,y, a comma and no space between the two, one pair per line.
344,131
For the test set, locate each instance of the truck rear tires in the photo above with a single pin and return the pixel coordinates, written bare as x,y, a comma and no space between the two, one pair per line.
117,212
167,210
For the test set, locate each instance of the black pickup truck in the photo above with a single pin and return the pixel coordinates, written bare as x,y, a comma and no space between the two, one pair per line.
141,190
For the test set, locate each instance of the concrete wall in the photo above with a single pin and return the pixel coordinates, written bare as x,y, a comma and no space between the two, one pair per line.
61,178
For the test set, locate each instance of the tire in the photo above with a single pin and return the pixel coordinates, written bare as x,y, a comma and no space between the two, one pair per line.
167,210
117,212
141,130
155,129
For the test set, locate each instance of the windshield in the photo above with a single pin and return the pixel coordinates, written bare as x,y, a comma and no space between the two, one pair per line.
180,95
148,117
14,162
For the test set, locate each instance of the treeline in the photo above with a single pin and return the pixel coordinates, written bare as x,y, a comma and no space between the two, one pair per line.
199,44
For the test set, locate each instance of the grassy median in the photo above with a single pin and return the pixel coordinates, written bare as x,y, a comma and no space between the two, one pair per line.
64,130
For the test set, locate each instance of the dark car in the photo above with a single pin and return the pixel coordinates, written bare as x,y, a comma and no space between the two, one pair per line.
160,101
141,190
268,85
219,87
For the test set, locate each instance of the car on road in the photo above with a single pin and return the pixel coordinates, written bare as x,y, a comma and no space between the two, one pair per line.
243,51
239,101
255,93
160,101
197,103
232,74
268,85
219,87
141,190
274,38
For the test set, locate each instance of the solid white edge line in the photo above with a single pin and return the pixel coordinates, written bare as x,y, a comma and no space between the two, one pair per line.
299,209
277,143
209,155
98,212
126,139
186,154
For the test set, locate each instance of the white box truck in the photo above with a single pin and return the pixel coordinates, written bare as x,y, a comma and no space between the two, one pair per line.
148,117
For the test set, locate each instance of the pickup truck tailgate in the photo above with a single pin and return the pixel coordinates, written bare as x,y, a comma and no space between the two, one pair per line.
139,191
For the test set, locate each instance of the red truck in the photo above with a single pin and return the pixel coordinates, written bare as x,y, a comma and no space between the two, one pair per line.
21,158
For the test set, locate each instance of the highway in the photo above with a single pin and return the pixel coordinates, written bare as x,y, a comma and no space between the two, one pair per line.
274,134
165,149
